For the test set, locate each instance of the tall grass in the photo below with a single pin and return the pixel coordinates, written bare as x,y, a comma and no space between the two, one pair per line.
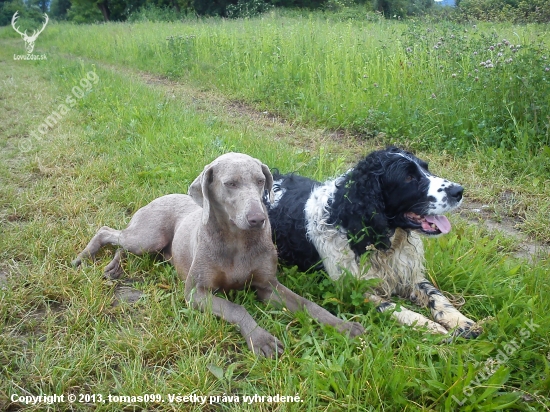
441,85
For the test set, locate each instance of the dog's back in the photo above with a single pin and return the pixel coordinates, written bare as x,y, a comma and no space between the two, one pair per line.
288,222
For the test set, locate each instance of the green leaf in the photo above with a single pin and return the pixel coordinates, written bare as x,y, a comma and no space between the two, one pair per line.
216,371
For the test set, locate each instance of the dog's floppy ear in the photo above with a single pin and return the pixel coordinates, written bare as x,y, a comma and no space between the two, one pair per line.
359,206
268,182
199,191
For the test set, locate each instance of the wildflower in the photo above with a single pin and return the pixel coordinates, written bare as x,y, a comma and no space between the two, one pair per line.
499,55
409,49
488,62
453,75
482,64
547,69
436,47
490,66
499,44
476,79
433,96
439,43
476,70
492,48
420,82
475,53
365,76
474,26
375,84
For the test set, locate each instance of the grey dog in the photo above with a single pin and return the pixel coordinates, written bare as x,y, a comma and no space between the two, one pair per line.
218,238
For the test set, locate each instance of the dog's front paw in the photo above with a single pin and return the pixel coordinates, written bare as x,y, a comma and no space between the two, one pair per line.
469,330
263,343
353,329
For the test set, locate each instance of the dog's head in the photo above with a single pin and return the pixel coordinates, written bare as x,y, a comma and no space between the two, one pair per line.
230,189
415,198
392,189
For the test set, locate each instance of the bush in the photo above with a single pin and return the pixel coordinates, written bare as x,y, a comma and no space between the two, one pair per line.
155,14
402,8
525,11
27,16
248,8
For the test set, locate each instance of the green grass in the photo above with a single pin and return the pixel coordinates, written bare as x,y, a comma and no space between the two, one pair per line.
134,137
374,79
411,81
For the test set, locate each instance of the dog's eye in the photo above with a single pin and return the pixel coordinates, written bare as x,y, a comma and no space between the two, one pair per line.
261,182
409,179
231,185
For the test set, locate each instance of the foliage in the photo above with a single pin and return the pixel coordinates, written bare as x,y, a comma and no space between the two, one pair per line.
516,11
82,12
28,16
248,8
402,8
154,13
59,9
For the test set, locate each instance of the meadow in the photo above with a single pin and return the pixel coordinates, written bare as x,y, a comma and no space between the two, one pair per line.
308,93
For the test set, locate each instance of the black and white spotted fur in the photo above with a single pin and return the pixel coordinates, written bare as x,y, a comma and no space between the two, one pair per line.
380,206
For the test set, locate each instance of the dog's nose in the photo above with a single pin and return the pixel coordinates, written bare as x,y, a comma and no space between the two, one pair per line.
255,220
455,192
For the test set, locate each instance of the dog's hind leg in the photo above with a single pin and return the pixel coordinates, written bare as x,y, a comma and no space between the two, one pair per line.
114,269
136,239
406,316
104,236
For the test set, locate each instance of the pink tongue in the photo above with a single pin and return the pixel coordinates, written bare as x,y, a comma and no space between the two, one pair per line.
441,222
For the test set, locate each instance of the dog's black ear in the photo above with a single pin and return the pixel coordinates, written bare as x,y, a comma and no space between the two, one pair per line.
199,192
359,207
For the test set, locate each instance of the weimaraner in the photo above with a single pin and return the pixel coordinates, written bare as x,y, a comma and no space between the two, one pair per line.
218,238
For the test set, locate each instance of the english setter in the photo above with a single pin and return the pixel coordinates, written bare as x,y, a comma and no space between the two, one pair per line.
379,207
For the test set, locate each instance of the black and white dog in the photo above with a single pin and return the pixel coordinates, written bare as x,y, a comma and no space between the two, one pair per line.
380,206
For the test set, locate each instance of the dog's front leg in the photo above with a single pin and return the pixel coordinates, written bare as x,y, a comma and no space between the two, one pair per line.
406,316
275,292
444,312
259,341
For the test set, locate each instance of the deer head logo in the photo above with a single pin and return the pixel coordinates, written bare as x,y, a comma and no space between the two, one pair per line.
29,40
